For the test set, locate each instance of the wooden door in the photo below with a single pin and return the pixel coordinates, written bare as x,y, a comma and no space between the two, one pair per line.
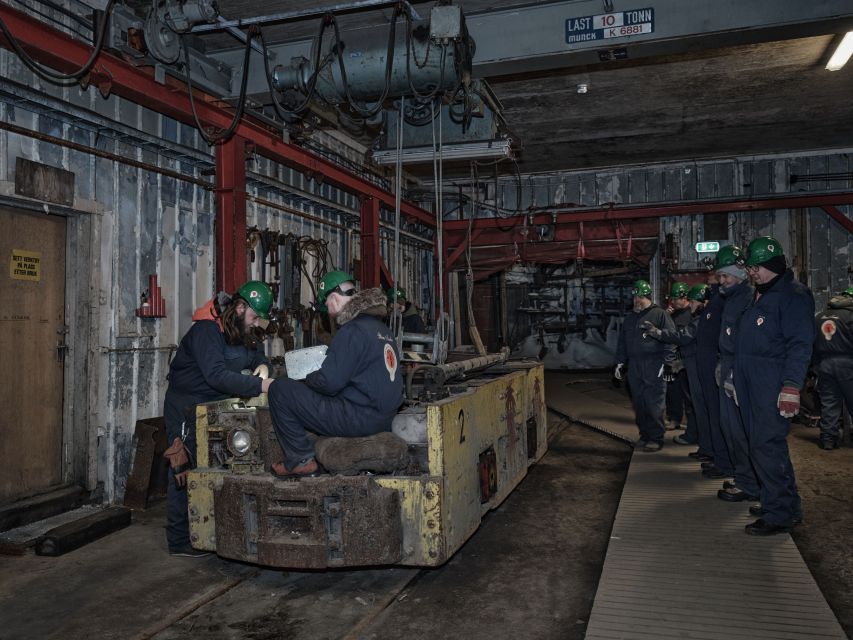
32,325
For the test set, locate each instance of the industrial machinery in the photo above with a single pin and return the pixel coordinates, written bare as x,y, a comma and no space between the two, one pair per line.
468,433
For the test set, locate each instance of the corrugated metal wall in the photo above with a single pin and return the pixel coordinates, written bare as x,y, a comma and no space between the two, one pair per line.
827,246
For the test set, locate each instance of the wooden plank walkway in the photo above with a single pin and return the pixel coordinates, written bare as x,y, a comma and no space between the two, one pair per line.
679,564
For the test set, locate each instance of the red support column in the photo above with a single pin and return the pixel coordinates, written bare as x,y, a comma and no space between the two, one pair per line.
231,214
371,256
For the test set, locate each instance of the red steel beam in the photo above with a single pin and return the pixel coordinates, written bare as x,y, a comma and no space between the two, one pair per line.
370,255
458,251
113,74
231,214
839,217
630,212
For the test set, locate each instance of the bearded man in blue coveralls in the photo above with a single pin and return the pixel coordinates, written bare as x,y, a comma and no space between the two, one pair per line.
208,365
648,360
357,390
774,347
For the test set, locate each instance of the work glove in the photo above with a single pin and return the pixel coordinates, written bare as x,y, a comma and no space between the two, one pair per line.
650,329
788,402
729,388
617,372
717,374
668,373
179,461
262,371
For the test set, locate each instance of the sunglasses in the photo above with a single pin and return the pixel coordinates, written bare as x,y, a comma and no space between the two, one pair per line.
348,293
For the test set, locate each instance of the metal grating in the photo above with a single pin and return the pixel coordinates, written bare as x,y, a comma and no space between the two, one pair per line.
678,564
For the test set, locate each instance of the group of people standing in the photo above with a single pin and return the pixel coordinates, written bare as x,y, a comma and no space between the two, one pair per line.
739,351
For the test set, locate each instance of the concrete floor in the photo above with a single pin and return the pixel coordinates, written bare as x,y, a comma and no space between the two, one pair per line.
530,571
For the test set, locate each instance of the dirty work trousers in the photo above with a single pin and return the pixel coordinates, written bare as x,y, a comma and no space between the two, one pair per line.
674,402
835,386
295,408
648,394
758,382
734,432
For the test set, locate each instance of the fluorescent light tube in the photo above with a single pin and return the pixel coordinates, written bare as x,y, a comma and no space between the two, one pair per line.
462,151
842,53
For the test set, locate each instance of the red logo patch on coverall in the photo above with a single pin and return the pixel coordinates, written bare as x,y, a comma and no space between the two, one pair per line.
828,329
390,361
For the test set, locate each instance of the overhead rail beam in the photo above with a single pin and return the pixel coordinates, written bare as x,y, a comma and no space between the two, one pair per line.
61,52
573,33
635,212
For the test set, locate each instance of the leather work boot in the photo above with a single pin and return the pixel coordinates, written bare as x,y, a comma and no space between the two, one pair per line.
382,452
734,494
828,444
305,469
761,528
757,510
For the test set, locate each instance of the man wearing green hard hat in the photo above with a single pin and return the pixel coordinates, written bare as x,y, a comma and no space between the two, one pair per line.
775,336
356,391
833,360
224,340
646,360
412,321
678,401
736,289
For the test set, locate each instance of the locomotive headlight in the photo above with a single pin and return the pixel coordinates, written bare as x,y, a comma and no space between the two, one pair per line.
239,442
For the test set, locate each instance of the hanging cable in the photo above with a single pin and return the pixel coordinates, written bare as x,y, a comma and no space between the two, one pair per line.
57,77
398,179
389,64
226,134
280,109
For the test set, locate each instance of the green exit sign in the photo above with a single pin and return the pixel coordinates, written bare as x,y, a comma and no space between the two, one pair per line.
707,247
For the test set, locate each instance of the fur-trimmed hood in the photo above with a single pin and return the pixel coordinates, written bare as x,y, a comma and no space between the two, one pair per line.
369,301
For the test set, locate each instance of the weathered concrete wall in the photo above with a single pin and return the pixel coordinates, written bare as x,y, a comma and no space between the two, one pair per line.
141,223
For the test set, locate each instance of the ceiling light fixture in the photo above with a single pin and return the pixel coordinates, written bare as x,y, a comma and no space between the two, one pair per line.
462,151
842,53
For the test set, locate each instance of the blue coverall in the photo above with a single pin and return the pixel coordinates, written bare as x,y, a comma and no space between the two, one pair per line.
707,353
738,298
678,398
356,392
833,356
774,347
645,357
205,369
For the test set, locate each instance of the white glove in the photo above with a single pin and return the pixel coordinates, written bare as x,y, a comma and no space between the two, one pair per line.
617,372
262,371
729,388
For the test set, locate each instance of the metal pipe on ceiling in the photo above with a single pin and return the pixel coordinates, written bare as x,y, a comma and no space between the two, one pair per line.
76,146
288,16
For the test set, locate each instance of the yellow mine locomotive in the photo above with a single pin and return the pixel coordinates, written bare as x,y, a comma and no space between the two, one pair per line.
462,443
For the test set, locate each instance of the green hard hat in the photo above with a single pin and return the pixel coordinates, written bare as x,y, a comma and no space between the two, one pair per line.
679,290
761,250
257,295
848,292
728,256
698,292
401,294
641,288
328,283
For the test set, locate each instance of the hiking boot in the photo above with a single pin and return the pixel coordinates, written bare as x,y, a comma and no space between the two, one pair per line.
305,469
651,447
735,495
